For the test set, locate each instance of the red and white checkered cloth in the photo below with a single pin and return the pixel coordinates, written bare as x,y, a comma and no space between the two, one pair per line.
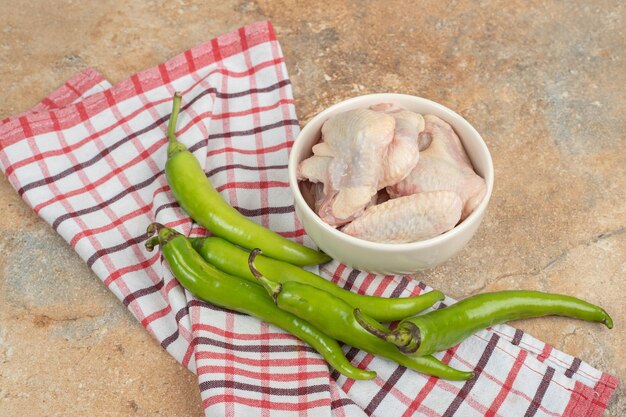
89,160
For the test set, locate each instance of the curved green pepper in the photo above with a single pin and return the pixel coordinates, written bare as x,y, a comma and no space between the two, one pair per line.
205,205
233,260
441,329
335,317
214,286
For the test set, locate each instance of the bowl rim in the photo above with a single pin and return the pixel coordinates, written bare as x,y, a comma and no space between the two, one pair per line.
393,247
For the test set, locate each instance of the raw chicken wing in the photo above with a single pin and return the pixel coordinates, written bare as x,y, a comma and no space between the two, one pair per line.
356,142
409,218
443,165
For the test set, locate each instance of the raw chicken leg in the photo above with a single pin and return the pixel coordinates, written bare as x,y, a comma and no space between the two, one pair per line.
409,218
443,165
356,143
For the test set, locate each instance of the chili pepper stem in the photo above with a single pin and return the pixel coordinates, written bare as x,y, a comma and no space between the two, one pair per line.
272,288
152,243
406,338
154,228
174,145
164,235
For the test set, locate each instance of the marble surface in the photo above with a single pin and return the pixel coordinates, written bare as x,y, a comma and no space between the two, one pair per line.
544,82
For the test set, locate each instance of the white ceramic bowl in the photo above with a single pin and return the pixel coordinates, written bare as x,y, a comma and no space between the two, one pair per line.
388,258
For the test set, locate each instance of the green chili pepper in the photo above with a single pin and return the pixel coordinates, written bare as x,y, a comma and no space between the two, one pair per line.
215,287
205,205
335,317
441,329
233,260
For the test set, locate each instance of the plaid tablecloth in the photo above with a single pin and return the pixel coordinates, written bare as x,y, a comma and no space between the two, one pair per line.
89,160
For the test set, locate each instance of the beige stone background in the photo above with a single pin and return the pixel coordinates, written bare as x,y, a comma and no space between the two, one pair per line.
544,82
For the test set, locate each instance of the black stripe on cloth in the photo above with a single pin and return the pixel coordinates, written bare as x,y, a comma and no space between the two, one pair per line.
184,311
116,248
265,210
517,337
289,392
244,167
170,339
134,188
203,340
574,368
469,384
351,278
398,290
140,293
342,402
152,126
249,132
384,390
541,391
267,89
173,204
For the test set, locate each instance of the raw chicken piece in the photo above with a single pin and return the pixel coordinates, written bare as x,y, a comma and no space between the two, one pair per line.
403,152
443,165
315,169
409,218
356,142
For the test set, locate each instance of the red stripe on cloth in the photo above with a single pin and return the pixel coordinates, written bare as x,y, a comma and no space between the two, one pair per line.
228,377
275,377
229,399
191,348
366,283
508,384
591,402
164,74
230,149
253,110
268,335
261,185
147,321
577,405
73,89
260,362
266,376
215,49
190,63
382,287
118,273
545,354
137,83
